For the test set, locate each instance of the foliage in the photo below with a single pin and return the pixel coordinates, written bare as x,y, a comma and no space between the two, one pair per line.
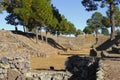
1,7
12,19
95,22
105,31
91,5
71,28
106,22
117,31
55,23
87,30
78,32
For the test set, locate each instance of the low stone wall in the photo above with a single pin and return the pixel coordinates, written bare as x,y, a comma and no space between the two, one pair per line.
17,67
48,75
100,73
109,69
14,66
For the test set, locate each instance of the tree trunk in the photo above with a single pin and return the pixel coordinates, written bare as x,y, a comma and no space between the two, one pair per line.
96,36
16,29
24,29
112,21
46,37
27,29
41,35
36,35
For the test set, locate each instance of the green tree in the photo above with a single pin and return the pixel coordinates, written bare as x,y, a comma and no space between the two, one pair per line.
117,31
1,7
105,31
87,30
57,18
31,13
13,20
63,26
78,32
95,23
71,28
93,5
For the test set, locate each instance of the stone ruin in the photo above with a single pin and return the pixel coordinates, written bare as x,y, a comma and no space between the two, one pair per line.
14,67
17,67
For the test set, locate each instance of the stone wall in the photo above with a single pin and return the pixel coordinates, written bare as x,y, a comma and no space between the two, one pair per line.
100,73
13,66
17,67
48,75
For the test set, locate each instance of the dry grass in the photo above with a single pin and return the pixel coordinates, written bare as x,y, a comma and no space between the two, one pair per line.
57,61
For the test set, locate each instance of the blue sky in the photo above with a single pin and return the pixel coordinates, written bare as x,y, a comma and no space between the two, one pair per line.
71,9
75,12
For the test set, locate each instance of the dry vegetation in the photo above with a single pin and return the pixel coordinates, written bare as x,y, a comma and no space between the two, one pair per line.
54,56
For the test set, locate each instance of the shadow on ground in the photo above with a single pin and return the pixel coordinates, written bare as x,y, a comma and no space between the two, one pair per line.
109,43
51,41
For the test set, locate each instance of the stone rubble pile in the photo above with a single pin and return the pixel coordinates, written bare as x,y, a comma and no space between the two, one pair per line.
11,44
13,66
48,75
100,73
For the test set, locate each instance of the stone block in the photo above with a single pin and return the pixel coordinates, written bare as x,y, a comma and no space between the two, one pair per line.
12,74
4,60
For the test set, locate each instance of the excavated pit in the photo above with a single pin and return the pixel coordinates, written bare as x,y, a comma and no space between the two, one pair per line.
82,68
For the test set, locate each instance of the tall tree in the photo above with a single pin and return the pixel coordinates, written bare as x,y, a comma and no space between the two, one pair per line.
71,28
95,23
87,30
93,5
31,13
42,13
13,20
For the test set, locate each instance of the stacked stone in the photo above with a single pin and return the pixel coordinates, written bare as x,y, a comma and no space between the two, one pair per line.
11,67
48,75
100,73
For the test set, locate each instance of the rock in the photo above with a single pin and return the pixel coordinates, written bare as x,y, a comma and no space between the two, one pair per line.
27,65
21,77
5,66
1,77
1,70
12,66
4,60
12,74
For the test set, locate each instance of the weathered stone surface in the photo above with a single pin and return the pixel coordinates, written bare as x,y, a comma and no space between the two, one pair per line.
12,74
21,77
4,65
4,60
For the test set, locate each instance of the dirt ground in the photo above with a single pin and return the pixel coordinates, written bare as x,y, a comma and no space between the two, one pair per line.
56,61
111,68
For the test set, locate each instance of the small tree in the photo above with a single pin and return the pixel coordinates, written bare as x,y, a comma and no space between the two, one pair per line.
87,30
78,32
105,31
95,23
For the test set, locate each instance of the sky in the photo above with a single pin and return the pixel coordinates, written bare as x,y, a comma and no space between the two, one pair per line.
73,11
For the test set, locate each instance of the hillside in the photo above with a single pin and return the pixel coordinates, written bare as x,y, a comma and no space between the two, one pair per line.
51,53
17,47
